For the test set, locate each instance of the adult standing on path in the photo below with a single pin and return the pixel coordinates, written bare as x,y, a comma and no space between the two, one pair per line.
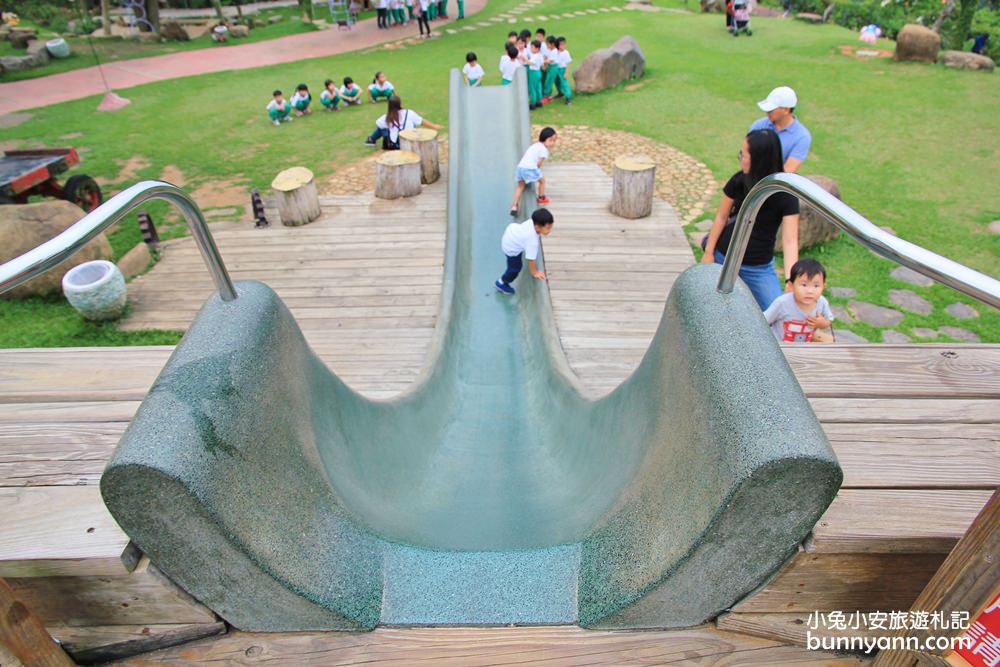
760,156
422,10
795,138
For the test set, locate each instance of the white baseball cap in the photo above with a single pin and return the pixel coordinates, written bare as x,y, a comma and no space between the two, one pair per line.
782,96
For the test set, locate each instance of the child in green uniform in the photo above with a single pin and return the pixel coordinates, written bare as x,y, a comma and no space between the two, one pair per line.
535,62
300,100
380,87
278,109
563,60
330,98
549,52
350,92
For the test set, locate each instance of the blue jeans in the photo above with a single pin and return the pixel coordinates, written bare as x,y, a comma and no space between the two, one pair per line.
761,280
514,266
379,134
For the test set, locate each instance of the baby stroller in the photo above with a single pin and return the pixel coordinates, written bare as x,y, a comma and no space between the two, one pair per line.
741,18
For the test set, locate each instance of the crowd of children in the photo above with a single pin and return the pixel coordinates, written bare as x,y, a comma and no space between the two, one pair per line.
396,13
546,61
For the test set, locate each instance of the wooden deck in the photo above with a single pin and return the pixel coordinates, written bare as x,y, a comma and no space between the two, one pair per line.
915,427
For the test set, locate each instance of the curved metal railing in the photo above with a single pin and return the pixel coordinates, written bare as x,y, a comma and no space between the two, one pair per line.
951,273
55,250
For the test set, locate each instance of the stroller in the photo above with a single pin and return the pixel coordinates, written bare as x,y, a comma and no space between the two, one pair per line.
741,18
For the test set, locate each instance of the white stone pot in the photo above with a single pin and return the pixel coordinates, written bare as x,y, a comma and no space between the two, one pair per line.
58,48
96,290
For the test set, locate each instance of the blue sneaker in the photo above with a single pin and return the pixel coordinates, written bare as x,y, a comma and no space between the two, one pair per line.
503,287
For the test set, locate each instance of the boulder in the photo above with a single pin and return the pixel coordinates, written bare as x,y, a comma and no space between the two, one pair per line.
25,226
174,32
966,60
16,63
713,6
19,37
813,227
239,31
38,52
606,68
915,42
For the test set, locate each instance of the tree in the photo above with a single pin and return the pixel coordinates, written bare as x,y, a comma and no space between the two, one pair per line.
307,10
106,17
963,26
153,13
217,5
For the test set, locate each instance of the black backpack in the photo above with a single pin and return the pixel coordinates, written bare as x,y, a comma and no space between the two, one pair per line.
387,143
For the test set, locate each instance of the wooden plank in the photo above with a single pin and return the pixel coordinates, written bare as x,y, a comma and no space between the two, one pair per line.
957,456
896,521
844,582
786,628
93,412
966,582
559,646
92,645
143,596
899,371
907,411
60,531
23,635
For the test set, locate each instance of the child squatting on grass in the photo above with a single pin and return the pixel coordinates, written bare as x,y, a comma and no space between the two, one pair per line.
380,87
350,92
278,109
330,98
529,169
522,237
472,70
799,316
301,99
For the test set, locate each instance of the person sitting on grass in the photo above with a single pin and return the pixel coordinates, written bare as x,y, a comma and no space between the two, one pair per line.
529,169
472,70
393,121
522,237
278,109
301,99
380,87
350,92
329,98
800,315
760,156
508,64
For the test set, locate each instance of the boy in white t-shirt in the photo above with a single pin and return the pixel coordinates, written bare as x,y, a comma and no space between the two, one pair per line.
529,169
522,237
300,100
562,60
549,51
796,316
472,70
330,98
278,109
535,63
350,92
508,64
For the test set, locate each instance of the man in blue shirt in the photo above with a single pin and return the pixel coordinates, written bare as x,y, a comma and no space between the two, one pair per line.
795,138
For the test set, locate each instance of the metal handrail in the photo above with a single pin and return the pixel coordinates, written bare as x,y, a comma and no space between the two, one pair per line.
57,249
951,273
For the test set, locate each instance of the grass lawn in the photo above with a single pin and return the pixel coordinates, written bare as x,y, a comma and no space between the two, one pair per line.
112,49
913,147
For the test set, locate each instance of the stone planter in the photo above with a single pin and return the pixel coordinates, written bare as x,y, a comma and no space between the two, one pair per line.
96,290
58,48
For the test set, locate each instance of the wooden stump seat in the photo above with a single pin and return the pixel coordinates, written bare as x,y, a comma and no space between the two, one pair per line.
632,191
423,141
397,174
296,196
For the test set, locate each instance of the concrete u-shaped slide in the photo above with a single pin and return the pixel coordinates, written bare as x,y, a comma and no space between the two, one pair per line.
493,491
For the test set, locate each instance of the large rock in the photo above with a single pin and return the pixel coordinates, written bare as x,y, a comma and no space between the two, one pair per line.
713,6
16,63
19,37
38,52
239,31
966,60
25,226
915,42
606,68
174,32
813,227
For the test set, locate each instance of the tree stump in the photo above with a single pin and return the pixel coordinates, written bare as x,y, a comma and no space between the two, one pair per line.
423,141
397,174
632,193
295,192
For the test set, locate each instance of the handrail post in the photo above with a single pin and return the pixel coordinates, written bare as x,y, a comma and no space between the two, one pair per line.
69,241
949,272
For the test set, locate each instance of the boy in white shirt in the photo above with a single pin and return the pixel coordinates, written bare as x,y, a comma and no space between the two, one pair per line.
350,92
508,64
529,169
549,51
300,100
562,59
797,315
472,70
522,237
329,98
535,63
278,109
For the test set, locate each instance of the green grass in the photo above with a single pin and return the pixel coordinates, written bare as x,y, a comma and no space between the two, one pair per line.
913,147
114,49
54,323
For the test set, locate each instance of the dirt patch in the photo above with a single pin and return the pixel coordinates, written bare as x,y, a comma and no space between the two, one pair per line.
14,119
359,176
865,52
222,194
173,174
71,135
128,170
635,86
11,145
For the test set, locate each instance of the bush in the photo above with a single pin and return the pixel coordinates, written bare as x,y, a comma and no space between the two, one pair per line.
987,21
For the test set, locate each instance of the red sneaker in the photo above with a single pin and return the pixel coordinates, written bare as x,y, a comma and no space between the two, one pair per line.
546,100
544,200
